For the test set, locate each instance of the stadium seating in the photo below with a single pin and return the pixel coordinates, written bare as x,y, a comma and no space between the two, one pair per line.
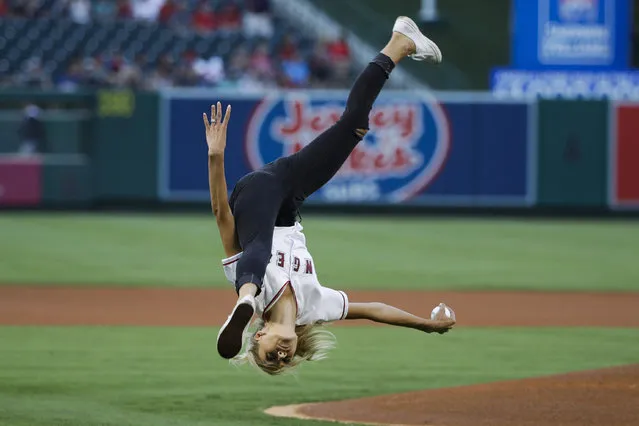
57,40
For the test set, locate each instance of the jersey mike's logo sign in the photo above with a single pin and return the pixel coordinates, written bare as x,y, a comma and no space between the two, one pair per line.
405,148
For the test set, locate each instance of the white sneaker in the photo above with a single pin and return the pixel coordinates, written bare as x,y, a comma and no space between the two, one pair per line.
426,50
229,339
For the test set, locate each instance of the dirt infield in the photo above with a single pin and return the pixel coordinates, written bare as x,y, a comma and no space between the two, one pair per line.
21,305
605,397
600,397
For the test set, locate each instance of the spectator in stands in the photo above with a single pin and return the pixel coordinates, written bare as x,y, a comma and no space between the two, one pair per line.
204,20
94,73
169,8
27,8
162,76
124,9
320,65
125,74
239,63
104,10
56,8
338,49
72,79
32,133
147,10
261,62
113,62
33,75
340,55
288,48
229,17
296,71
252,81
210,71
80,11
141,62
180,19
4,8
257,19
185,75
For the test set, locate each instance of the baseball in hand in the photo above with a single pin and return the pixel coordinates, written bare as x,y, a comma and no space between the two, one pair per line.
442,312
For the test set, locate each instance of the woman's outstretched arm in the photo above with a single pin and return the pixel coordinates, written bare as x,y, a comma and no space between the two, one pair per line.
216,141
386,314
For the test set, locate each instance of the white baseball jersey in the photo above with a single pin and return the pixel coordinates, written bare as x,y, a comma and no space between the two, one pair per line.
292,263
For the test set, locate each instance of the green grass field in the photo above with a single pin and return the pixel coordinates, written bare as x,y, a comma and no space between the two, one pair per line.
170,376
126,376
350,253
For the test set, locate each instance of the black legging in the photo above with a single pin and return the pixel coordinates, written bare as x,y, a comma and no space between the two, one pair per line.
271,196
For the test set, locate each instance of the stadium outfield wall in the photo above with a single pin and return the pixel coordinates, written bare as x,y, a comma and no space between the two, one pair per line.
453,150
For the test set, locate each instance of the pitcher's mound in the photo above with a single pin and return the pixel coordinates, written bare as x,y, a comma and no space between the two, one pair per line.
600,397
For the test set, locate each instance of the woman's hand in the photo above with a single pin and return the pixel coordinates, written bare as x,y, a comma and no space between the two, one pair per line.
437,326
216,129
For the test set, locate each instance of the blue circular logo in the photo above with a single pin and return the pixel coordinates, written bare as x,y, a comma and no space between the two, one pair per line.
404,150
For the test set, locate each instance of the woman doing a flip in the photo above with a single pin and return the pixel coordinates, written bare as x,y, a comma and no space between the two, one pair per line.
268,261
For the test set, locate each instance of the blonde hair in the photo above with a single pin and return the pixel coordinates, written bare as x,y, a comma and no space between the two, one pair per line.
313,344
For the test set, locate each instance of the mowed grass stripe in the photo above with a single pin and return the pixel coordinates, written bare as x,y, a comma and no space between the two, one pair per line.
353,252
90,376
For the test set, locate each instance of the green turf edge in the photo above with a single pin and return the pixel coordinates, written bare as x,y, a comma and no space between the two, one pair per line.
350,253
123,376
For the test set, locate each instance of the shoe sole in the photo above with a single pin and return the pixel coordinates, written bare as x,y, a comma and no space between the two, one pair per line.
229,342
413,26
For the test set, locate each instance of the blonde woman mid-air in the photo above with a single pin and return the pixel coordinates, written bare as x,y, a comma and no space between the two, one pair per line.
267,259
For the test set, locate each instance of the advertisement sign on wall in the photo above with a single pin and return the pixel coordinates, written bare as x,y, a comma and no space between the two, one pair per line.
624,188
418,150
521,84
20,181
571,34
